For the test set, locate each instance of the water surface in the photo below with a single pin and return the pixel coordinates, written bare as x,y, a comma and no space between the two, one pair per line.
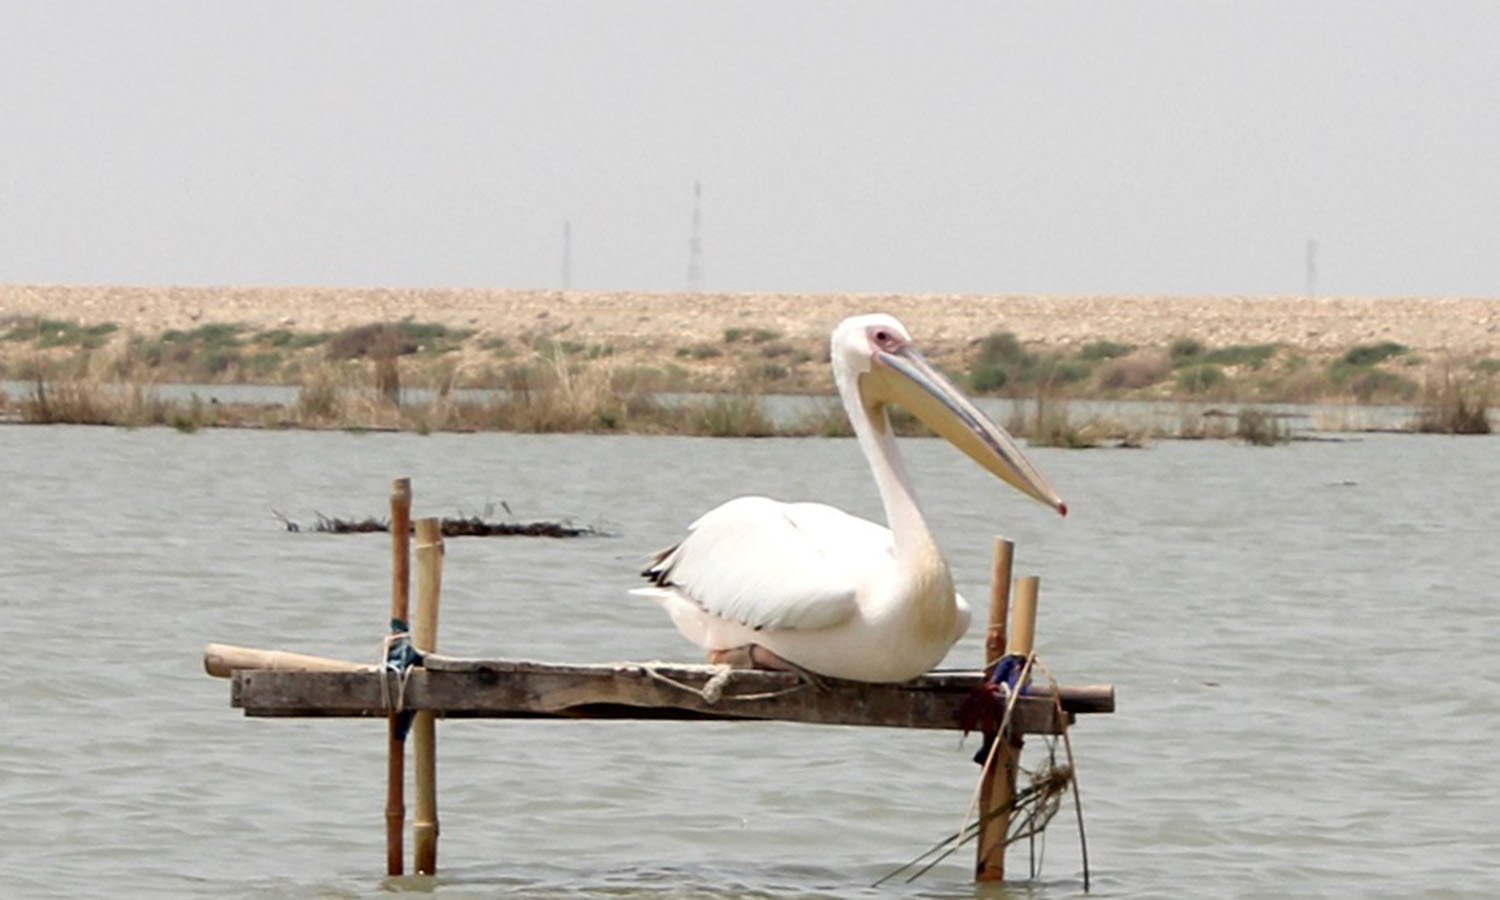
1300,637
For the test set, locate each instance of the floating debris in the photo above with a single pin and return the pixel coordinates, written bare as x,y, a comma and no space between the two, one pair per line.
470,526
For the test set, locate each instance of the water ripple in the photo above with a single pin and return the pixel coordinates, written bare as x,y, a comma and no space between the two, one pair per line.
1309,704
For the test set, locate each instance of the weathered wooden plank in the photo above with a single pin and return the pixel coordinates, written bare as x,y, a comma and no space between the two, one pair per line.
522,689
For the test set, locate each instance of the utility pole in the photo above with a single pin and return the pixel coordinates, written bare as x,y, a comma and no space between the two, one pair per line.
1312,268
695,243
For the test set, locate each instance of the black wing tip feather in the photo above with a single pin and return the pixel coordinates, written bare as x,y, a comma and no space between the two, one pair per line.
657,573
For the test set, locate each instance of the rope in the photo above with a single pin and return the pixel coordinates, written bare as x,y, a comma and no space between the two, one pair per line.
1083,843
1040,800
397,658
713,689
1012,697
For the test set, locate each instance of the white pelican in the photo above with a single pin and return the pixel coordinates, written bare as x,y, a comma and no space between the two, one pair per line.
762,583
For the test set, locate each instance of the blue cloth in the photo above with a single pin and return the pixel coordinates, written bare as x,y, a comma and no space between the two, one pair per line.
399,657
1008,672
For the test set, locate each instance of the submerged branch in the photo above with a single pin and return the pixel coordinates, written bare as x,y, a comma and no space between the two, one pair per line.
471,526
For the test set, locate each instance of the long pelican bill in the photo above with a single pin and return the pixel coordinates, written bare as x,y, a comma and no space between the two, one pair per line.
906,378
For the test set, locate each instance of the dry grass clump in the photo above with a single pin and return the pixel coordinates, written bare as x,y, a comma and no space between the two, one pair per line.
1051,424
554,395
89,401
1261,428
321,397
1454,407
1193,425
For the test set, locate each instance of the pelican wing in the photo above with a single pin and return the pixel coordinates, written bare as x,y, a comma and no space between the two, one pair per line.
767,564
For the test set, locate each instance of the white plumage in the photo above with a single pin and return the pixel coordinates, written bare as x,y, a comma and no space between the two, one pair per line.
820,589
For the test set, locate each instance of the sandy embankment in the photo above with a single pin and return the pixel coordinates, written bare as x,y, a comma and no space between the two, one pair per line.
647,322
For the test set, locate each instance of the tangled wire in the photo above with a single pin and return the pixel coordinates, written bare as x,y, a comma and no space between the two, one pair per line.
1031,807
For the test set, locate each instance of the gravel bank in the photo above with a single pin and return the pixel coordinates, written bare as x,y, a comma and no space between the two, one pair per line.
1459,326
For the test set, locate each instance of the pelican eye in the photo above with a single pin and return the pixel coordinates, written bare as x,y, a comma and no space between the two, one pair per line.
886,339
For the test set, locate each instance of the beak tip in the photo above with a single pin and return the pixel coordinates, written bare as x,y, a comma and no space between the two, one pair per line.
1062,509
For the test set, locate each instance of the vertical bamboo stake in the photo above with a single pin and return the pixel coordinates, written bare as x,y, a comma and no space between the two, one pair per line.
395,770
429,551
994,638
998,790
1023,617
995,790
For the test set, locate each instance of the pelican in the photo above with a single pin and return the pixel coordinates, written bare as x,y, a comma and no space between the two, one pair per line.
806,586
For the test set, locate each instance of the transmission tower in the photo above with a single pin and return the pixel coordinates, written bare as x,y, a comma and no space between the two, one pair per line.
695,243
1312,268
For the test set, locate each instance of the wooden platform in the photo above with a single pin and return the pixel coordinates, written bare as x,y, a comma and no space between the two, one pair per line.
516,689
278,683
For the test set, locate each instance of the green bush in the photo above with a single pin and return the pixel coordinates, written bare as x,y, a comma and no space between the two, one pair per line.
59,333
1253,355
275,337
1095,350
1185,350
1001,361
700,351
220,335
1199,378
1370,354
220,360
1376,385
1065,371
986,378
1002,348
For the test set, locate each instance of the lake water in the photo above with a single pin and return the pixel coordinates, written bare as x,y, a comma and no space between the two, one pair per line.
1301,639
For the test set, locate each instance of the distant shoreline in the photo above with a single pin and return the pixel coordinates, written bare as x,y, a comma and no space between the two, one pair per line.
651,320
597,361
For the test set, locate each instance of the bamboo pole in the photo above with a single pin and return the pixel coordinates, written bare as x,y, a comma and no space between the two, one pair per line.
994,637
220,661
429,552
998,785
995,793
1023,617
395,770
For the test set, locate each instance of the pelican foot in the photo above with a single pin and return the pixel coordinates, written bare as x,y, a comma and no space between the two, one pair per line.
754,656
750,656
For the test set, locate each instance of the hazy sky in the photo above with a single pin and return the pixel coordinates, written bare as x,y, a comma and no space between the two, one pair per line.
1111,147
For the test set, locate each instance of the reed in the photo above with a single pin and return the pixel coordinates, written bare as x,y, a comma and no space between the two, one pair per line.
731,415
320,399
1194,425
1051,426
1261,428
1201,378
90,401
1454,407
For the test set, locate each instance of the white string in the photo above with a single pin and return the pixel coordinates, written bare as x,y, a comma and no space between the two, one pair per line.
390,670
713,689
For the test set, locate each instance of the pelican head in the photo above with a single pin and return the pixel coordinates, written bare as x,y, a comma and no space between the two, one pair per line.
874,355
